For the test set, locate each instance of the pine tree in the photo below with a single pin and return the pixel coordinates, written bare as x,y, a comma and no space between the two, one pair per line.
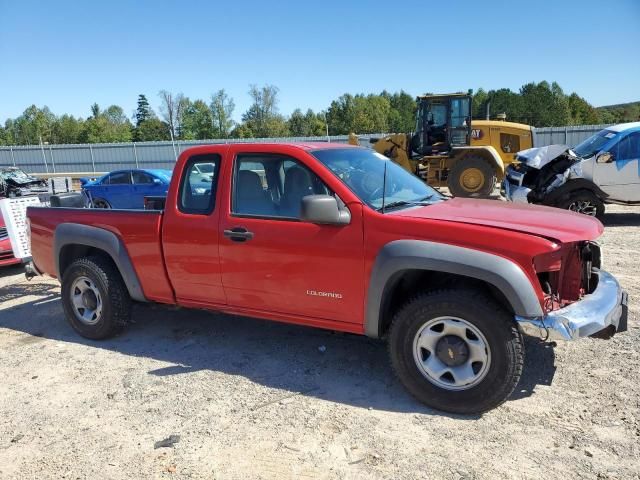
143,112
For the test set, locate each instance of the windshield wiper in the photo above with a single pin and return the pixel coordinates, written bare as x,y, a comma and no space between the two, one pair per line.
404,203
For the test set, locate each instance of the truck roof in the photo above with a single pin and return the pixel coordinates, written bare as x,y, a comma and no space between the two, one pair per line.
302,145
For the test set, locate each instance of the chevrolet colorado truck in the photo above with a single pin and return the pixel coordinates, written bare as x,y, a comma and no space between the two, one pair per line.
339,237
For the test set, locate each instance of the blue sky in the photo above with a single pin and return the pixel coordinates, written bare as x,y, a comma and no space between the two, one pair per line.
67,55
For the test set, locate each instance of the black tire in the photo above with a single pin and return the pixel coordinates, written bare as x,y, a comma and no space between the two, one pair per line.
100,203
504,341
114,297
585,202
471,176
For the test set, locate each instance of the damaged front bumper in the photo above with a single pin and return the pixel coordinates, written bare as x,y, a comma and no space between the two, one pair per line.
513,191
600,314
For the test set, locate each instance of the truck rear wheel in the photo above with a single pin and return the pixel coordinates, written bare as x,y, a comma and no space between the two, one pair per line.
95,299
456,351
472,176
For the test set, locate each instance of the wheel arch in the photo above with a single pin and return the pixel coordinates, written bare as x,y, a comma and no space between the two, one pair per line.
428,265
72,240
572,185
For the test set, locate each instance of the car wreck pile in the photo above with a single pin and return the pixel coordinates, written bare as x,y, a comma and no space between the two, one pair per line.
16,183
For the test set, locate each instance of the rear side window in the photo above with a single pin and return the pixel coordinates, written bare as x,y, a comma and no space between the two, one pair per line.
197,193
142,178
119,178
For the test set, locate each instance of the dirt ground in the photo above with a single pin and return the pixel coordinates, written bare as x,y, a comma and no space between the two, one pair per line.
251,399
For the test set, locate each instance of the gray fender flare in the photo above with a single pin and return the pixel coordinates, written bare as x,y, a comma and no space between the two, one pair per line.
402,255
77,234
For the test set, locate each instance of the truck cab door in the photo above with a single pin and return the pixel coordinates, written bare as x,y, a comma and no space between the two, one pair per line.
190,235
620,177
274,262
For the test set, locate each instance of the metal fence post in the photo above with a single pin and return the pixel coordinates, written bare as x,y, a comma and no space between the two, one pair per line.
135,154
44,158
13,160
53,164
93,163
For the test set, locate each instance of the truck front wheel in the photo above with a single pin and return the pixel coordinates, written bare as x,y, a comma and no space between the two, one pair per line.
95,299
456,351
471,176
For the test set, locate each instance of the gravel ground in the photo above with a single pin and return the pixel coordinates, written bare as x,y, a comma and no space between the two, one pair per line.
251,399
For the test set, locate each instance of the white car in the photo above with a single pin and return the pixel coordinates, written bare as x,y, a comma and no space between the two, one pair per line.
605,168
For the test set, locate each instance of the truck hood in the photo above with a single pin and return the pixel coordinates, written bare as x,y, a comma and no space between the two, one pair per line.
540,156
552,223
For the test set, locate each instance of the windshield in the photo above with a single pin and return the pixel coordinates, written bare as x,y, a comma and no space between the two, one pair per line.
593,144
164,175
15,174
362,171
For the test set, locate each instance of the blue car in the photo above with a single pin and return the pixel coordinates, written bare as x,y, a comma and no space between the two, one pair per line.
126,188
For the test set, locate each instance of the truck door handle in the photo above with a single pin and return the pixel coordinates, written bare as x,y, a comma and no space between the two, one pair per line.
238,234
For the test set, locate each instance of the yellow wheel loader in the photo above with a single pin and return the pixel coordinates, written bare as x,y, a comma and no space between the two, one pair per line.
449,150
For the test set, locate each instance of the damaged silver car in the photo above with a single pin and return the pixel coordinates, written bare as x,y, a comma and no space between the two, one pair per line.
605,168
16,183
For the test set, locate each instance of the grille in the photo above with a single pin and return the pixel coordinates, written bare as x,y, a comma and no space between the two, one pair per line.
3,233
6,255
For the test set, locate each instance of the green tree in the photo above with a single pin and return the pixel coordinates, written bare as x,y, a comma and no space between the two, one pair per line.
95,110
402,114
341,115
505,101
152,129
67,129
307,124
580,112
263,118
108,126
197,121
362,114
222,107
479,104
241,130
545,105
35,125
143,112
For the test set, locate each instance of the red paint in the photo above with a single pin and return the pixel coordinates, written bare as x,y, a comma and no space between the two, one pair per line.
6,252
184,258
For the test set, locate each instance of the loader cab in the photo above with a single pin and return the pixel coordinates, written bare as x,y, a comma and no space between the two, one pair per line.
443,122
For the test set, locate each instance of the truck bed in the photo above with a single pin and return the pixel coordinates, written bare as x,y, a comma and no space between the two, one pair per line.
140,231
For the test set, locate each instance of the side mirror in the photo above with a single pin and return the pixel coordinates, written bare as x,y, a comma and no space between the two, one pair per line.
323,209
605,157
157,181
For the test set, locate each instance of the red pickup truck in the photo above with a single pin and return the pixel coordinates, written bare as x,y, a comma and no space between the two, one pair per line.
338,237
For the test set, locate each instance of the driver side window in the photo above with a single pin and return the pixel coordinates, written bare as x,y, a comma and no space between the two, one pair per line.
628,148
